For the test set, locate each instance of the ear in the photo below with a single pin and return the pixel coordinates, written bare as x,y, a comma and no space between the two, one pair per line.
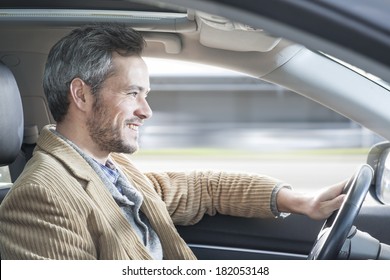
78,93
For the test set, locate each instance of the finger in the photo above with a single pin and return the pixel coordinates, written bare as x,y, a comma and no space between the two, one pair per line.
333,191
338,201
332,205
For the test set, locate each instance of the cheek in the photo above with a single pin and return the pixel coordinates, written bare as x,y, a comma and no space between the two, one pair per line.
118,119
126,107
121,113
117,111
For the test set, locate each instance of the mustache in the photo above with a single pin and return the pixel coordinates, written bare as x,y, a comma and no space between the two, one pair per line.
134,120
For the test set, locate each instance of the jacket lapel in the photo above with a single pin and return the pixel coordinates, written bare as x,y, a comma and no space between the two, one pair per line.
154,208
104,201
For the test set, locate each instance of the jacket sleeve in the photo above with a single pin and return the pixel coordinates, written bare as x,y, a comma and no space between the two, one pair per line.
189,196
38,224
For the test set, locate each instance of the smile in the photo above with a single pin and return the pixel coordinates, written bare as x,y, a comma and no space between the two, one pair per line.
132,126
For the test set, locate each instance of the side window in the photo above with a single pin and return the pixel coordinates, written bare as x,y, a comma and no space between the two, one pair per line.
5,177
207,118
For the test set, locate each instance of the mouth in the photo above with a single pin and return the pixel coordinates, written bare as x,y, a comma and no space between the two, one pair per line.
132,126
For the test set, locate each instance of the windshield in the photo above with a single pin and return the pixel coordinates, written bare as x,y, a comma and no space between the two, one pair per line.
365,74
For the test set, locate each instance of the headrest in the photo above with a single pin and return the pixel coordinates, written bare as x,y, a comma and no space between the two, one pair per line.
11,117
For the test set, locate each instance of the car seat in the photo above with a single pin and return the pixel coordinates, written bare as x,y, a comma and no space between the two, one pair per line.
11,121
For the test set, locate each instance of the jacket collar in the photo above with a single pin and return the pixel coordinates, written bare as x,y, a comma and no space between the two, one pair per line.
65,153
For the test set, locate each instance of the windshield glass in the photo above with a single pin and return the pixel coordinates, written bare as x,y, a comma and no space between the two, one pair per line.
365,74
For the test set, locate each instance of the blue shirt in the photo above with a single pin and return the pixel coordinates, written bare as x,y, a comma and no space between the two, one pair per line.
111,172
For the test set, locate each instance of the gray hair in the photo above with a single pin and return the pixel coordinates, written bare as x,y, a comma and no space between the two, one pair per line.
86,53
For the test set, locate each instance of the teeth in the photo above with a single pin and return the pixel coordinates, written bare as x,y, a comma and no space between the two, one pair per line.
132,127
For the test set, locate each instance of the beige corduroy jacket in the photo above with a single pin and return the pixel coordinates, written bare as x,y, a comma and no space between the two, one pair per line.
60,209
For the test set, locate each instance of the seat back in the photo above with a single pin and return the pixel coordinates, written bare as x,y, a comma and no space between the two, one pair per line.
30,137
11,120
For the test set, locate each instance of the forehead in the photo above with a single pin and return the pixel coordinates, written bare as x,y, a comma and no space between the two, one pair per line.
130,70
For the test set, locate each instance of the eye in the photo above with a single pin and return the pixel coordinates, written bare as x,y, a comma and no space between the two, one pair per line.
132,93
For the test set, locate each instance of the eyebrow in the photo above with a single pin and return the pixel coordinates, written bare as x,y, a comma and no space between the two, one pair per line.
132,87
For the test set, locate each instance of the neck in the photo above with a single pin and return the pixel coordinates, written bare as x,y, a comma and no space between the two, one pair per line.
80,137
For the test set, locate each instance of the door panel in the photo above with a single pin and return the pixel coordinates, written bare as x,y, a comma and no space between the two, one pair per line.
225,237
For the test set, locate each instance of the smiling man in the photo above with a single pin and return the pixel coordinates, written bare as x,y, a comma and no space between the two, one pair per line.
80,197
112,116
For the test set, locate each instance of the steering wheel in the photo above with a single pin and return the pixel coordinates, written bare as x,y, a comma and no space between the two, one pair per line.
336,228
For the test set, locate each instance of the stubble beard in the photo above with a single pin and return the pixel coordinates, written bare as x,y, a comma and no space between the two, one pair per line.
105,135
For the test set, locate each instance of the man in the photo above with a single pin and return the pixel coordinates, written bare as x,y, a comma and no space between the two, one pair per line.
80,197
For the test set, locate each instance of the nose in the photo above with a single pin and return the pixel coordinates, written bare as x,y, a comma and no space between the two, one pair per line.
143,111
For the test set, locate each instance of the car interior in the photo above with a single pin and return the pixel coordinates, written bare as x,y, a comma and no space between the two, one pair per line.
27,35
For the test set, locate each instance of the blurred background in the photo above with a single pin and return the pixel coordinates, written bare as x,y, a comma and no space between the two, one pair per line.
210,118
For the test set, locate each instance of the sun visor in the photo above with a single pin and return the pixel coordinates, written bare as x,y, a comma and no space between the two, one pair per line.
220,33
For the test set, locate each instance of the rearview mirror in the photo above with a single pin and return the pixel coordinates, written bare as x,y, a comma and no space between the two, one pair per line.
379,159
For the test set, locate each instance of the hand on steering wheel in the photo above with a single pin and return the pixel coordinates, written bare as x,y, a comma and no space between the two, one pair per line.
336,228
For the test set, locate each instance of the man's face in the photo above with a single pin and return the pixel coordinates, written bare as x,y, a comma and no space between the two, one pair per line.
121,106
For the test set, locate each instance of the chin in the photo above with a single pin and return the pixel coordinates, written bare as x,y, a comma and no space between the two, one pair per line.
130,148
